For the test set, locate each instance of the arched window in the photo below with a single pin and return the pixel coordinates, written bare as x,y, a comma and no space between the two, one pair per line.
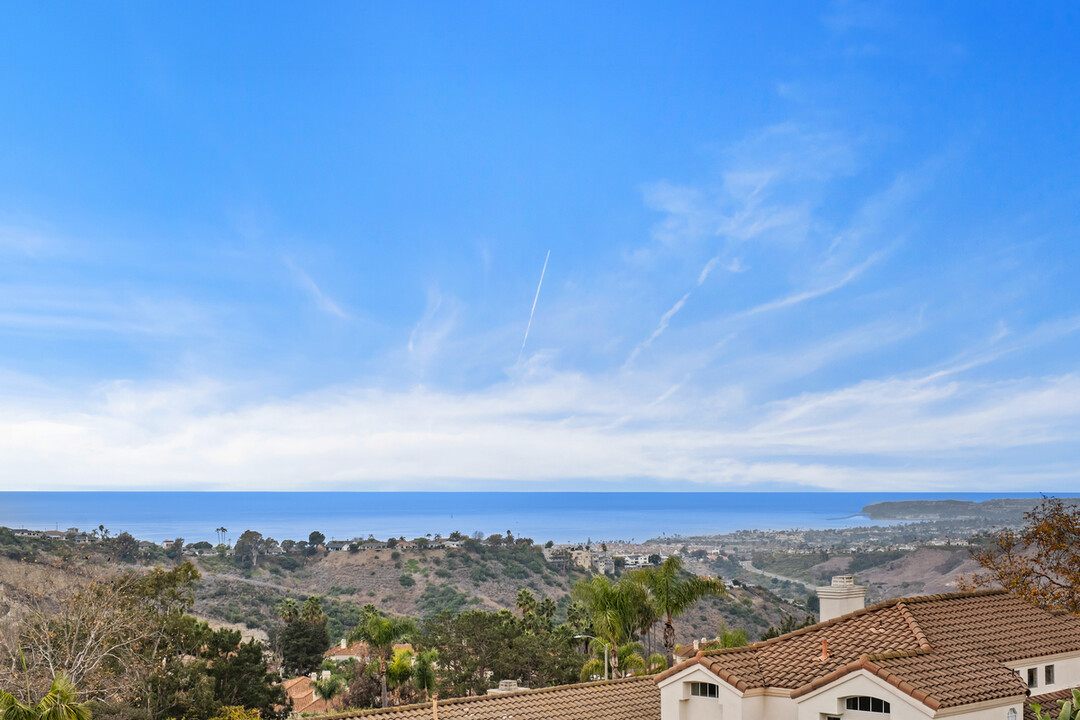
1011,715
864,703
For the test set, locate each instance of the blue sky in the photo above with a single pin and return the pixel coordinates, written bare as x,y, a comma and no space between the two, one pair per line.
794,245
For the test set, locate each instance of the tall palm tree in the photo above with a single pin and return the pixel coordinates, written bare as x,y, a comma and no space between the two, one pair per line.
673,591
59,704
614,609
288,610
380,633
526,601
312,611
424,671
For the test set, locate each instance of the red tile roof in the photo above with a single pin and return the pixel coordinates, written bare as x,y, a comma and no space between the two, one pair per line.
1048,703
301,690
635,698
943,650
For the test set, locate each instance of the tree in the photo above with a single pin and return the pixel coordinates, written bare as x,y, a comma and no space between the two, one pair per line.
124,547
381,633
305,638
787,624
288,610
106,634
1068,709
316,538
726,638
1040,563
248,547
221,534
615,610
673,591
240,674
59,704
329,687
475,646
424,672
526,601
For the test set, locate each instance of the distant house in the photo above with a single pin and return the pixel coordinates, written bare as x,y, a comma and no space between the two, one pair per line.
450,543
373,545
337,545
305,701
53,535
23,532
359,651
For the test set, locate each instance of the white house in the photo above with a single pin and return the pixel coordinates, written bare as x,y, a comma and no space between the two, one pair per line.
971,656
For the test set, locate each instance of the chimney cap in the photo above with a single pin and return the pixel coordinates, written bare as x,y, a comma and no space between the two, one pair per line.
843,580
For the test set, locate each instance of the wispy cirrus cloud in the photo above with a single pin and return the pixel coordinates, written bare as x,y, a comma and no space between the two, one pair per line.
322,300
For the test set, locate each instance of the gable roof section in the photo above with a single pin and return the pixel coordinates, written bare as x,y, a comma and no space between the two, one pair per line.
943,650
634,698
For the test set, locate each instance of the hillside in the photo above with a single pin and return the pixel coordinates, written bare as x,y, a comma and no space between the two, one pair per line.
421,583
926,570
415,582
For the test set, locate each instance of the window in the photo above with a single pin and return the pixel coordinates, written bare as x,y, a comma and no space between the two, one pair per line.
1011,715
863,703
1048,675
1033,677
700,689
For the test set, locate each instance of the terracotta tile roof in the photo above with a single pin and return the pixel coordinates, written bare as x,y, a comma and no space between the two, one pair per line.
943,650
359,649
301,690
1047,702
634,698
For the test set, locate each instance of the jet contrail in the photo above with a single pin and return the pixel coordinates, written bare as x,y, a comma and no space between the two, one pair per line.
533,311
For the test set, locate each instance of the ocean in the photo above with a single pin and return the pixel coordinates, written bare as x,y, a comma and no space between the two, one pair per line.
559,516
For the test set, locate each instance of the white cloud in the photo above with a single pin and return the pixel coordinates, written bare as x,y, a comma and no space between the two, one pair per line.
885,434
322,300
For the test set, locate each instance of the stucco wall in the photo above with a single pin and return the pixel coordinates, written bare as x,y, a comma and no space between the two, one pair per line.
829,701
677,704
1066,673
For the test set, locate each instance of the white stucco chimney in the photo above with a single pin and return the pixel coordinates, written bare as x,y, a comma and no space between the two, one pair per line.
841,597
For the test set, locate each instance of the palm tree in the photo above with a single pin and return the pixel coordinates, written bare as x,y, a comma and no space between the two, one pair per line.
424,671
58,704
312,612
330,687
656,663
288,610
615,610
673,592
400,669
380,633
526,601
